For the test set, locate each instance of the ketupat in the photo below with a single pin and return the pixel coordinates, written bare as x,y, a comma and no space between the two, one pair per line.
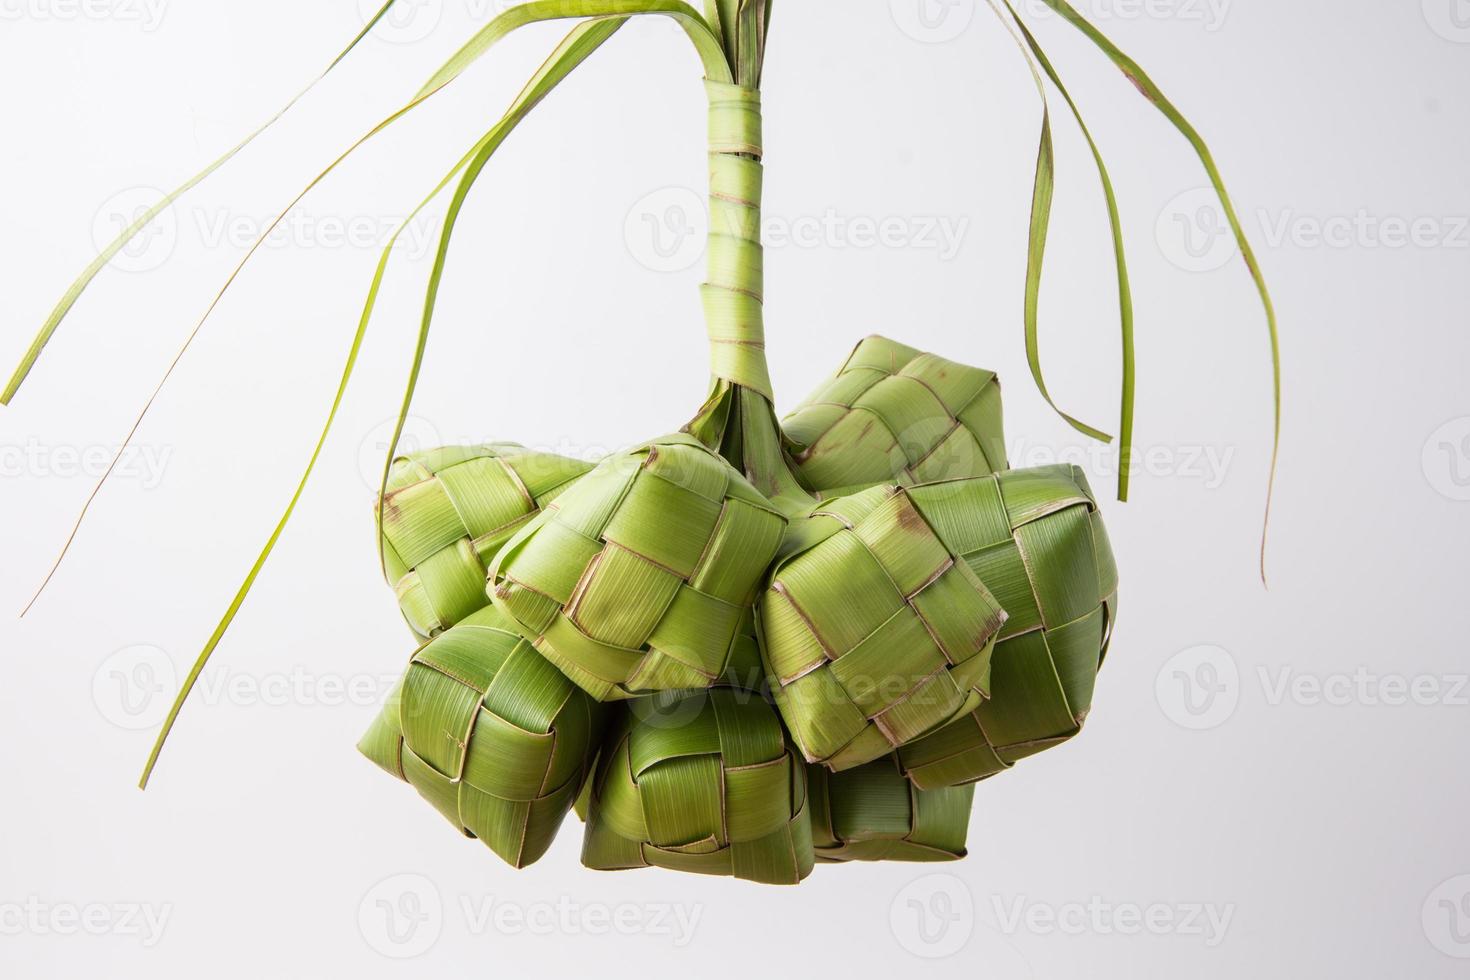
447,513
1037,539
893,414
1043,689
490,734
738,423
874,633
706,783
639,578
872,813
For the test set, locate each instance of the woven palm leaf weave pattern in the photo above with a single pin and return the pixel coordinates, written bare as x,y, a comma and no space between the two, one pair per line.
1036,538
707,784
874,632
872,813
639,578
491,734
446,514
893,414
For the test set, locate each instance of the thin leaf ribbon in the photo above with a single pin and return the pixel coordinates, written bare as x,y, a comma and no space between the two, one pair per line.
74,292
577,47
1151,91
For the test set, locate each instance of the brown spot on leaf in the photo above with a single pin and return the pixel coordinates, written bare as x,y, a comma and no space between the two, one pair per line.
1138,84
390,509
910,520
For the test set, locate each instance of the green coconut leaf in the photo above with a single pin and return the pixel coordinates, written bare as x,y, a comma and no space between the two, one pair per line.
1151,91
580,44
608,16
74,292
498,29
1041,201
705,41
1034,52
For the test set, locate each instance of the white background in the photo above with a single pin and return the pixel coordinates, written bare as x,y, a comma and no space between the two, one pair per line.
1327,828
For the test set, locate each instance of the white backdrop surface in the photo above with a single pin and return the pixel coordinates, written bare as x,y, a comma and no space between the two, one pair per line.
1272,783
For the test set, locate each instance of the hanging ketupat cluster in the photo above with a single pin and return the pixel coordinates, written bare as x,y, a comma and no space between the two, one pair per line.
909,641
809,640
747,647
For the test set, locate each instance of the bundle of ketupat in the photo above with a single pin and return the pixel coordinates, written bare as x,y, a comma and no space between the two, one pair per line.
915,639
748,647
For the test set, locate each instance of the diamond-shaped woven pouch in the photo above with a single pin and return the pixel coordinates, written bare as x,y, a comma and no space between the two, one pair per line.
1037,539
640,577
894,415
704,783
873,631
872,813
491,734
446,514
